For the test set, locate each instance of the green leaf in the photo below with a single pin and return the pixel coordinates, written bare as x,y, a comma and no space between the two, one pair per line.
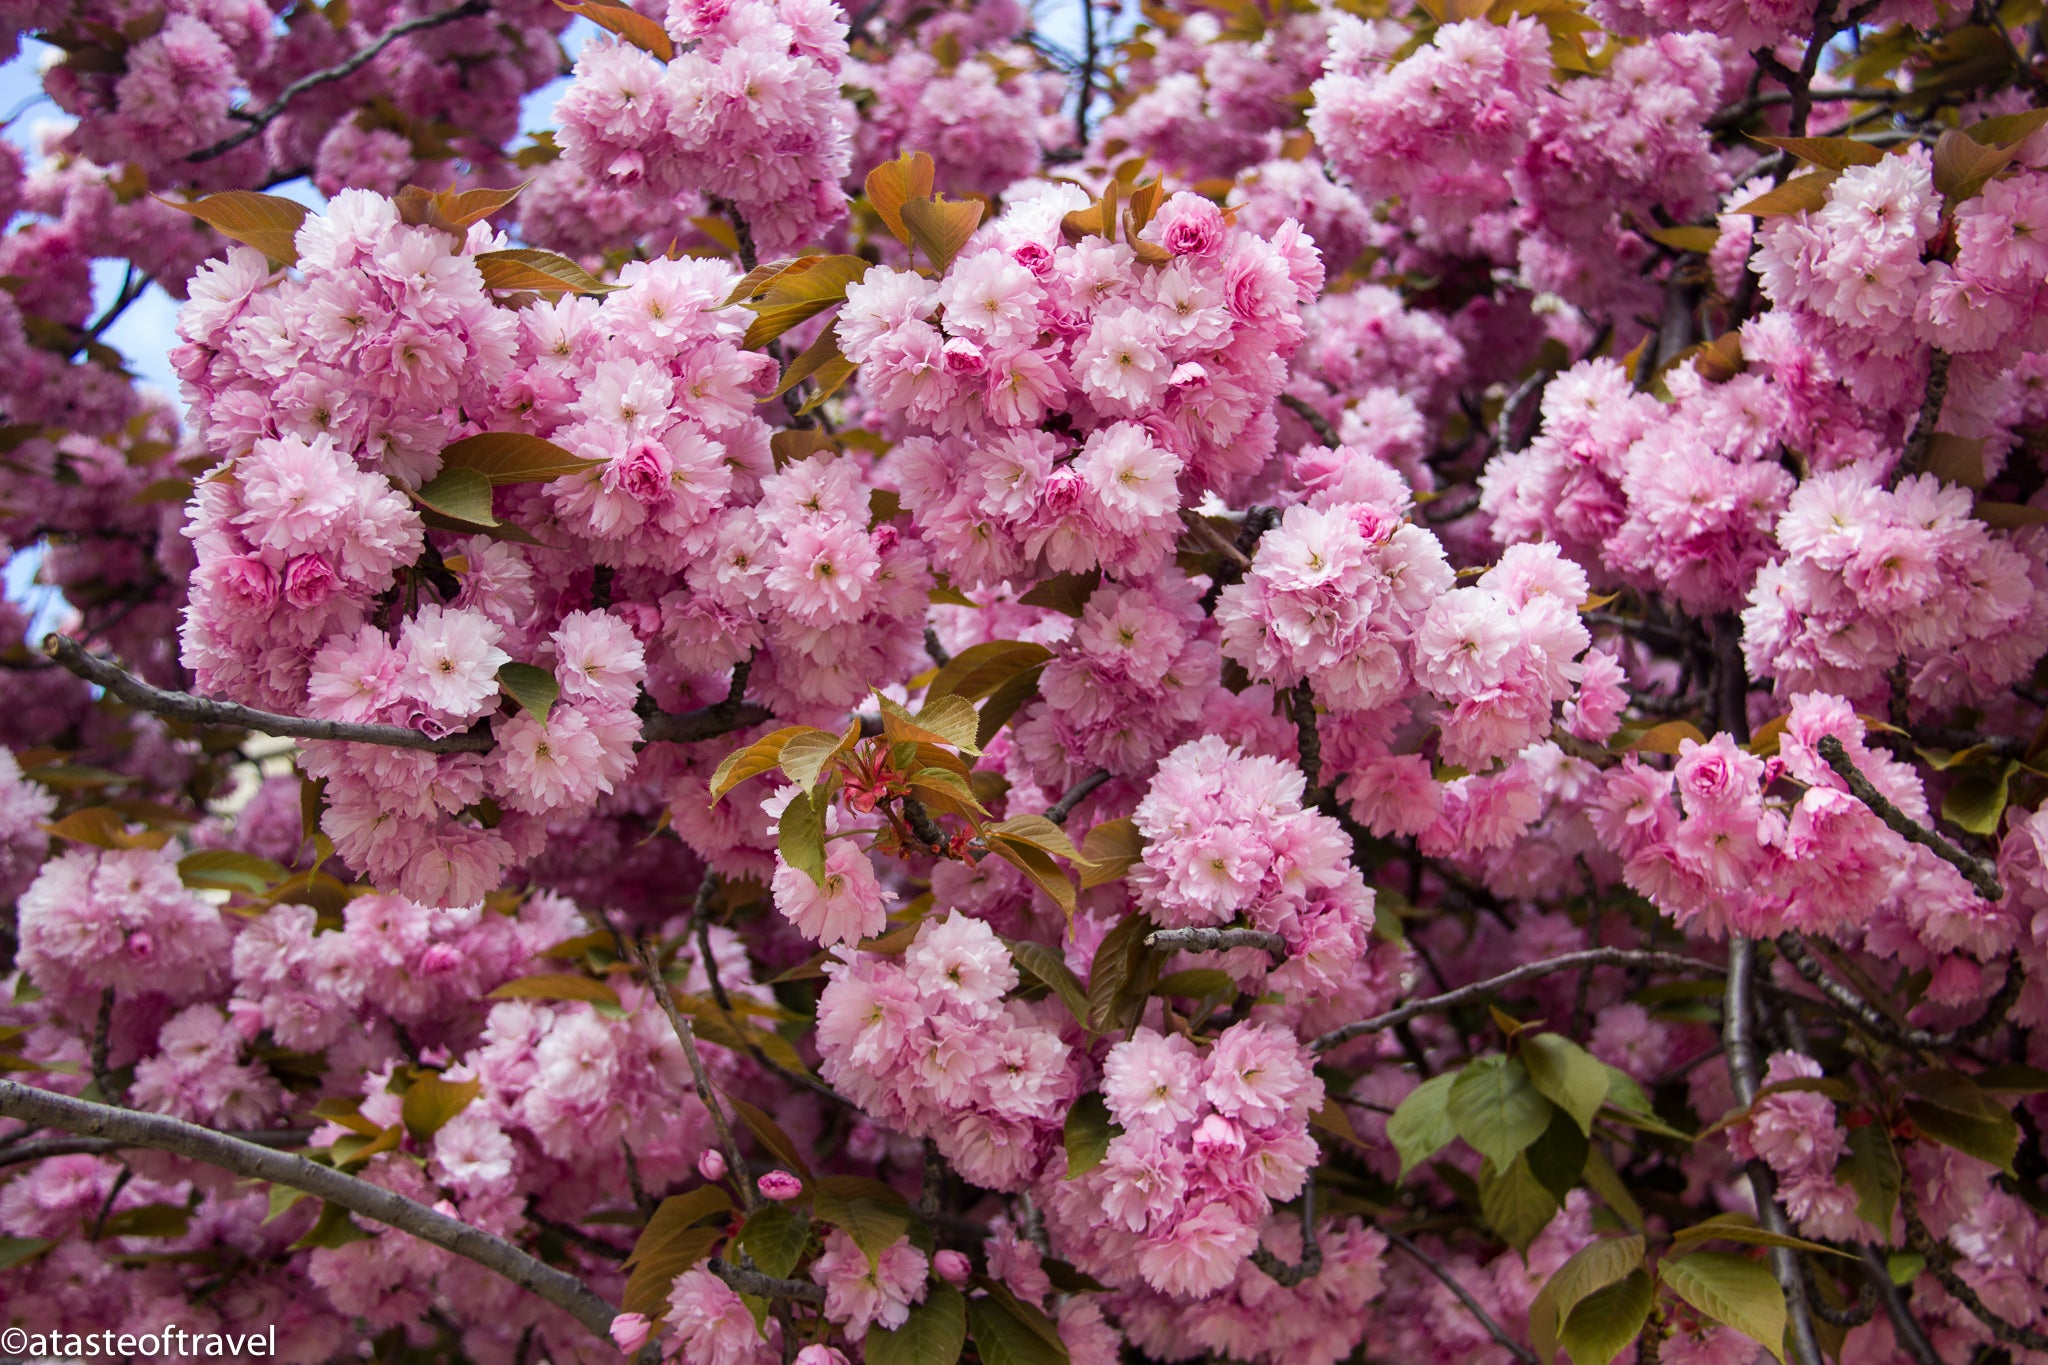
1048,967
1976,802
1740,1227
944,720
1118,963
555,986
1001,1339
770,1134
459,494
775,1236
1197,983
1567,1075
1593,1267
541,271
2007,129
149,1220
873,1225
282,1198
268,222
512,457
1871,1166
805,756
1955,1112
978,670
1066,593
1495,1107
431,1101
800,836
1605,1181
334,1229
1734,1291
677,1213
1112,848
932,1335
1514,1202
1420,1125
16,1251
1088,1133
533,688
759,757
1829,153
1005,701
2014,1078
227,869
1558,1158
1696,239
657,1261
1601,1325
1963,166
2009,516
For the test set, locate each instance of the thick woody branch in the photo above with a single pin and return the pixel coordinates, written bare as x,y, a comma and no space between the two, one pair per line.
41,1149
339,71
1905,1327
1493,985
1976,871
765,1286
1218,940
131,1129
1941,1263
1739,1042
1922,436
206,711
706,722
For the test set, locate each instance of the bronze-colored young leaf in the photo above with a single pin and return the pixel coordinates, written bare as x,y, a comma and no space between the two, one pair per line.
555,986
940,227
1828,153
979,670
1800,194
268,222
814,357
544,272
1963,165
798,294
636,28
431,1101
759,757
893,184
1110,850
228,869
800,443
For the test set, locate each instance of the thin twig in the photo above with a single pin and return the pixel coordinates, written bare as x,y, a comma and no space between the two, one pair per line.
1976,871
687,1036
1088,59
1941,1264
162,1133
765,1286
1318,423
259,121
102,1035
1479,990
1922,436
1217,940
1464,1295
1794,950
1075,795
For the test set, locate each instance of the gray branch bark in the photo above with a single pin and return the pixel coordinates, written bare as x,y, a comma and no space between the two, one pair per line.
132,1129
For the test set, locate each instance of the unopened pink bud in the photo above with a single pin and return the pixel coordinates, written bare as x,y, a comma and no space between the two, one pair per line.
629,1331
711,1165
953,1267
780,1186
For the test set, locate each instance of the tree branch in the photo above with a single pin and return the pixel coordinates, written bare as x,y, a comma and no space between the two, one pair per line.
1449,1281
765,1286
1739,1043
1218,940
1905,1327
42,1149
1311,1263
131,1129
1976,871
1479,990
1317,423
687,1036
1922,435
1075,795
259,121
1794,950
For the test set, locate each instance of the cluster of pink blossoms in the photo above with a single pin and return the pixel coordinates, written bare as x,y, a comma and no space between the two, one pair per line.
748,111
986,120
1797,1135
928,1045
1209,1141
1070,398
1227,840
1875,577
